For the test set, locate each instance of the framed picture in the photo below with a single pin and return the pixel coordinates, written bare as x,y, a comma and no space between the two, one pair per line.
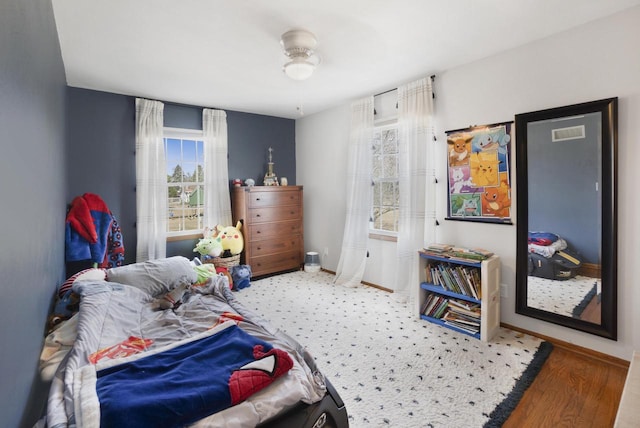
479,173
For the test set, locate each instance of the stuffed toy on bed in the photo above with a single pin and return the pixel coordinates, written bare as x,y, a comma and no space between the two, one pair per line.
172,299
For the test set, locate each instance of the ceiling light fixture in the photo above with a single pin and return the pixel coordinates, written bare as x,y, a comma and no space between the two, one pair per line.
299,48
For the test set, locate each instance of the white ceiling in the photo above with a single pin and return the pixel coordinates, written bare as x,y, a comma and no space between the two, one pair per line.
226,53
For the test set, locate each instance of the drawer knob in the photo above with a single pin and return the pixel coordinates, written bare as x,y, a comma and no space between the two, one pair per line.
257,215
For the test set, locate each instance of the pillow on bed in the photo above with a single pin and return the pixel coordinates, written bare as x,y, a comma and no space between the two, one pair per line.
155,277
91,273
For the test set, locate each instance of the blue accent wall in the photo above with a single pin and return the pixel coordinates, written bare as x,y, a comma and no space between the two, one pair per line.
32,171
562,184
101,155
102,144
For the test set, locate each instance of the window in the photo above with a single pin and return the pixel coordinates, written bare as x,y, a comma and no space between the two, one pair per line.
184,151
386,198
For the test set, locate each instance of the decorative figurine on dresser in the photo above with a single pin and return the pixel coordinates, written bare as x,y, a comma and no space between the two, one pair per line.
270,178
272,225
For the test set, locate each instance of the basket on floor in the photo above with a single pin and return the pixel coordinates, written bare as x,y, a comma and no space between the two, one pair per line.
225,262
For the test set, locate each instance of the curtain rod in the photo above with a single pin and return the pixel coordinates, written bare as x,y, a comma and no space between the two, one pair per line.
432,77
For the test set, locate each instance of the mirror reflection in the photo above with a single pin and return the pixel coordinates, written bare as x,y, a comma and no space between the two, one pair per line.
566,210
564,167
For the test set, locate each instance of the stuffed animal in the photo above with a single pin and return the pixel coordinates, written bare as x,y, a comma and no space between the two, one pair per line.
204,271
209,248
172,299
223,271
241,276
231,238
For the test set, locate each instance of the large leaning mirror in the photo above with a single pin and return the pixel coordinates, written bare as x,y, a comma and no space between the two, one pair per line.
566,212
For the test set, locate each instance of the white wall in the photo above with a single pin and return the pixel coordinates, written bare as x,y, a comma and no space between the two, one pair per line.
321,167
594,61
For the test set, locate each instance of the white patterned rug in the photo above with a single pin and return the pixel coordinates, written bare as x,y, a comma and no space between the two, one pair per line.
391,368
560,297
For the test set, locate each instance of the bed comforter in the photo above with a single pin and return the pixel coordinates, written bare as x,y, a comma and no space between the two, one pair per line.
110,313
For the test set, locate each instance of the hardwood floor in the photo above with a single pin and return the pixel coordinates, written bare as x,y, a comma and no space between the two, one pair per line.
573,389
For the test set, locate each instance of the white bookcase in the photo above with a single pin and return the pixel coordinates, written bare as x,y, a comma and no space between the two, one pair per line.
488,274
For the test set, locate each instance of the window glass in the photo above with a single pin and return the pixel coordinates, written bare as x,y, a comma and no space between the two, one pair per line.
185,182
384,168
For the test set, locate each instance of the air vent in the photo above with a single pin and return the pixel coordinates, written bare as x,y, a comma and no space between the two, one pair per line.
569,133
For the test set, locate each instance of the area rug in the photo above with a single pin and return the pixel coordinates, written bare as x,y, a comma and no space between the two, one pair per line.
559,297
580,307
391,368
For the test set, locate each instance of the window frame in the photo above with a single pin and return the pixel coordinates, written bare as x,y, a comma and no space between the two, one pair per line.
182,134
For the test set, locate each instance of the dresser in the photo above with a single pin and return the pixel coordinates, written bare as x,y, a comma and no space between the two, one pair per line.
272,218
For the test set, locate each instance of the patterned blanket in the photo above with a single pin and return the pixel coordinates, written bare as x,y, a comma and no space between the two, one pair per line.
181,383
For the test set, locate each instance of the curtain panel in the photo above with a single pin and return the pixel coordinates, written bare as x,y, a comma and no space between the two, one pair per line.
151,181
217,203
416,175
353,255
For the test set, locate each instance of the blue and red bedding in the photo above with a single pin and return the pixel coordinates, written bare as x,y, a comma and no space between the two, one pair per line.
194,365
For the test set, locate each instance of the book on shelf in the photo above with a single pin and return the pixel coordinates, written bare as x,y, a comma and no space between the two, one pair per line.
463,314
482,251
463,304
457,253
452,316
438,248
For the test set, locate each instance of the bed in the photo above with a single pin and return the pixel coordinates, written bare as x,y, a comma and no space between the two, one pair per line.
208,362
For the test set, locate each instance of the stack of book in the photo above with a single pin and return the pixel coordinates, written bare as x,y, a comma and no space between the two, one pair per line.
435,305
463,315
438,249
451,252
455,278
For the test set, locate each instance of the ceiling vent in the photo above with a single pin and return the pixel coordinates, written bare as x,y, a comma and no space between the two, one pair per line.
569,133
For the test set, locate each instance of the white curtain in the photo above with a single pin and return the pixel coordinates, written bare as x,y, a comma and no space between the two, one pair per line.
217,204
353,256
151,181
416,177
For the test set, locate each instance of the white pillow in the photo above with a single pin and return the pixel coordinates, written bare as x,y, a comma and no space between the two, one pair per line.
155,277
91,273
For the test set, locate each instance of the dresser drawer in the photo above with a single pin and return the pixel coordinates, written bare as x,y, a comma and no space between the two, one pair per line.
273,199
260,215
276,263
267,247
278,230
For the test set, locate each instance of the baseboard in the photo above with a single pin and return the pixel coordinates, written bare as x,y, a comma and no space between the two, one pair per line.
590,270
370,284
604,358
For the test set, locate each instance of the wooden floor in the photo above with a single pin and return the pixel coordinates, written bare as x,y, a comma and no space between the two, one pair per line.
572,390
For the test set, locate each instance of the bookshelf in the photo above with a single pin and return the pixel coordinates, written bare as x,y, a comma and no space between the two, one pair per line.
469,290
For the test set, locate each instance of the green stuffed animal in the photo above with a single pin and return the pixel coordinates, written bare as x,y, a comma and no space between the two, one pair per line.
204,272
209,247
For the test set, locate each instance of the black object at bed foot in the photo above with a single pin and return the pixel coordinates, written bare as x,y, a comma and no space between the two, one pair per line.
329,412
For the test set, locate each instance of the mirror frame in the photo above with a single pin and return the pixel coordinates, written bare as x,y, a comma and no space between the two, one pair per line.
608,239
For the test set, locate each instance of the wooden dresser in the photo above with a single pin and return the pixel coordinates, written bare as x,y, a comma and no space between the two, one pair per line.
272,219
